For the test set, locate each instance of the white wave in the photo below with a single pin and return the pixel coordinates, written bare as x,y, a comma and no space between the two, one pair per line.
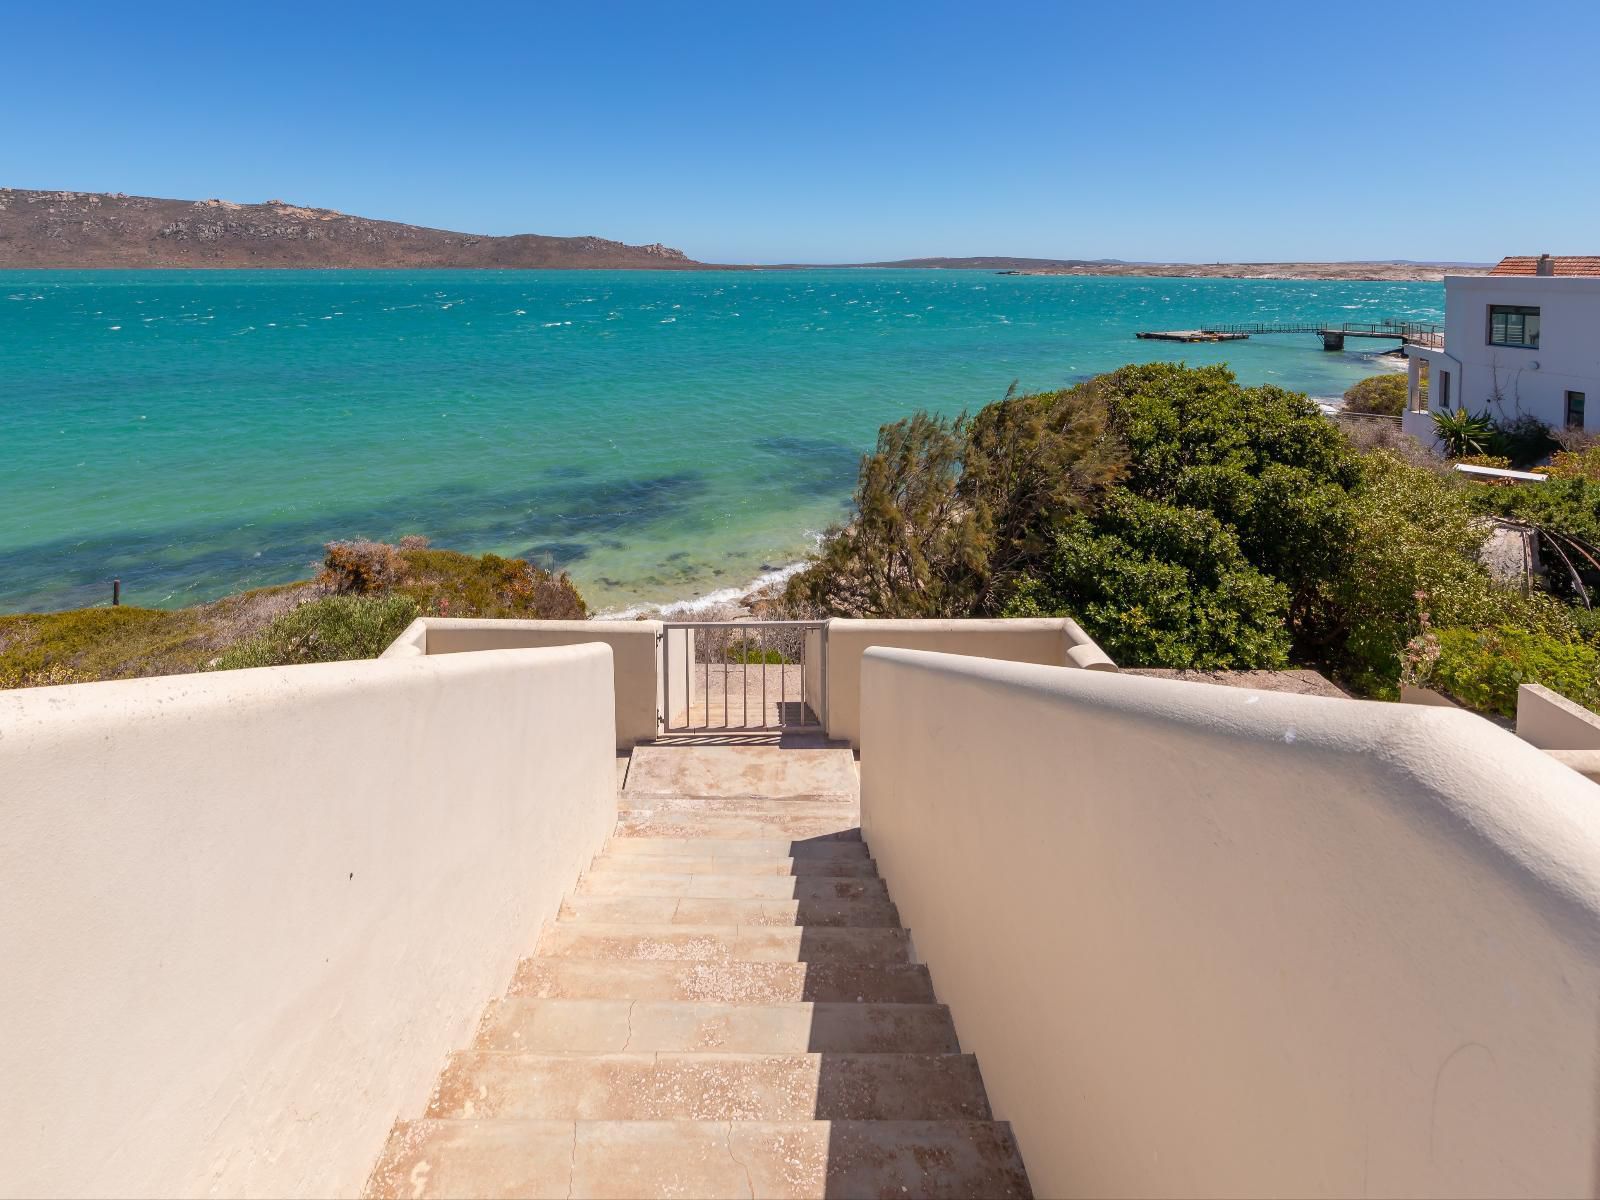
716,599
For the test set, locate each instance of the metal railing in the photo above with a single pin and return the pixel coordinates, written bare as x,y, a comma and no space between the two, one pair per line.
744,676
1409,331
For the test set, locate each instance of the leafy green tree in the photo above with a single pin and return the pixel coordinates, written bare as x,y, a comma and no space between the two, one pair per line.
948,513
1160,585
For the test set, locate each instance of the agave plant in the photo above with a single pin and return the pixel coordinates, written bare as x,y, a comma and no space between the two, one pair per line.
1463,432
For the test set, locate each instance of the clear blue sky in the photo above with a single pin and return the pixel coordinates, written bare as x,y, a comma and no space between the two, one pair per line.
762,132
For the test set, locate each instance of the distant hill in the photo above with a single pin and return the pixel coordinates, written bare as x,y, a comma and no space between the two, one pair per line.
982,263
98,229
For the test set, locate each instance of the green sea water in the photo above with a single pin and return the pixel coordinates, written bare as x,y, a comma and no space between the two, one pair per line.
662,435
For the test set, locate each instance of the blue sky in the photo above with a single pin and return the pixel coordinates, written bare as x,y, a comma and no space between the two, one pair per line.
766,132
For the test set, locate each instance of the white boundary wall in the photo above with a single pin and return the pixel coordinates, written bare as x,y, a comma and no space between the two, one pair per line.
248,914
1212,941
635,647
1055,641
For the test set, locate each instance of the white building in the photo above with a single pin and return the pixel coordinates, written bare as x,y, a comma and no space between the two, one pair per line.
1524,339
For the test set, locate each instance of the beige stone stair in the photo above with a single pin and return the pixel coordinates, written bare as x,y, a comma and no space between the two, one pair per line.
727,1005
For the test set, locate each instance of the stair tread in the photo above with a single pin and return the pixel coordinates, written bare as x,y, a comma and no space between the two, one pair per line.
731,887
645,864
533,1024
699,1086
722,910
728,943
745,827
731,847
785,1160
729,982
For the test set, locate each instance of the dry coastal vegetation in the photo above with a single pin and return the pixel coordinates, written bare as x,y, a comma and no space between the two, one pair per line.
364,596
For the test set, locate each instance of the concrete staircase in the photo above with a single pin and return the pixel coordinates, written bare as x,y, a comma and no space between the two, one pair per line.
726,1006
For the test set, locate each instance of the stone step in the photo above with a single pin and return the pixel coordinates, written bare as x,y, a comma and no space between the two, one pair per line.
711,1087
724,943
529,1025
704,910
732,887
722,982
743,827
861,868
833,807
800,1160
769,771
755,847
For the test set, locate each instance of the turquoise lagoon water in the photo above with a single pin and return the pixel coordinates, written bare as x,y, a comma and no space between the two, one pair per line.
663,435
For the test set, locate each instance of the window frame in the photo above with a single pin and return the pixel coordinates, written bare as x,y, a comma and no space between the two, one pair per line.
1521,312
1567,409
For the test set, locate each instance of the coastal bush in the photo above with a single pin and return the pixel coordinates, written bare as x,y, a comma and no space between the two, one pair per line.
948,512
1483,668
1414,555
1524,439
1384,395
1576,464
1160,585
361,568
446,583
332,629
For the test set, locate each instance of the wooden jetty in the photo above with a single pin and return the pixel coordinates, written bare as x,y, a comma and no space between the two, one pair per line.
1407,333
1192,335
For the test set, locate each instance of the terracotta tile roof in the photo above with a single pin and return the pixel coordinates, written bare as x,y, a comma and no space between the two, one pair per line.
1581,264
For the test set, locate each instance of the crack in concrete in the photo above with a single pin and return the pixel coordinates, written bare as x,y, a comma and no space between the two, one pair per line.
572,1164
629,1042
728,1145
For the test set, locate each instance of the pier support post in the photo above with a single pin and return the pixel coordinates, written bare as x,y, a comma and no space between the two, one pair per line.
1332,339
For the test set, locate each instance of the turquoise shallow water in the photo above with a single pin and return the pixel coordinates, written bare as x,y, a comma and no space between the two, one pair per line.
663,435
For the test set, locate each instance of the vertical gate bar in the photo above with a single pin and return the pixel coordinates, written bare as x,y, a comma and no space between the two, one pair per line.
744,680
763,679
724,679
707,725
803,643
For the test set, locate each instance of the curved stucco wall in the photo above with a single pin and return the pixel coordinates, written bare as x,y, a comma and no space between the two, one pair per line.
248,914
1211,941
635,648
1052,641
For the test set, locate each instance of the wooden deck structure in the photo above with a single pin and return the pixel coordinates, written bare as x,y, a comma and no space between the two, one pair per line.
1407,333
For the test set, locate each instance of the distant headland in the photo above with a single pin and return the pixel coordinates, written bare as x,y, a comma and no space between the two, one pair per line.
112,230
109,230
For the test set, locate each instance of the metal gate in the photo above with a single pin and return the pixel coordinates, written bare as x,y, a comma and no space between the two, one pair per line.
744,677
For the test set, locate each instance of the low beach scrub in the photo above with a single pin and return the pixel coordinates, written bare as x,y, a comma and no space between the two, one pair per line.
332,629
1383,395
1482,669
84,645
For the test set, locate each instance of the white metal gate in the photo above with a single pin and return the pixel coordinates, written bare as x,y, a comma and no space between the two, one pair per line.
744,676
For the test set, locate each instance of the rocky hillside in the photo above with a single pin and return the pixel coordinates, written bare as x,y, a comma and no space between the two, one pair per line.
94,229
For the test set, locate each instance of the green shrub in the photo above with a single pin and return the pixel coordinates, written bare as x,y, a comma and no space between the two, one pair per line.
1483,668
1524,439
1381,394
1415,550
1158,585
333,629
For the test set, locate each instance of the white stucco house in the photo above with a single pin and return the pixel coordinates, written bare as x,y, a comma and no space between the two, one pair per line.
1523,339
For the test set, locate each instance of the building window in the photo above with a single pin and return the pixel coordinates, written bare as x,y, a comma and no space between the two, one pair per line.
1514,325
1444,390
1574,410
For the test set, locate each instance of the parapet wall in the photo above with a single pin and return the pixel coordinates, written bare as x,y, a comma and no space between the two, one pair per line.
635,648
248,914
1212,941
1051,641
